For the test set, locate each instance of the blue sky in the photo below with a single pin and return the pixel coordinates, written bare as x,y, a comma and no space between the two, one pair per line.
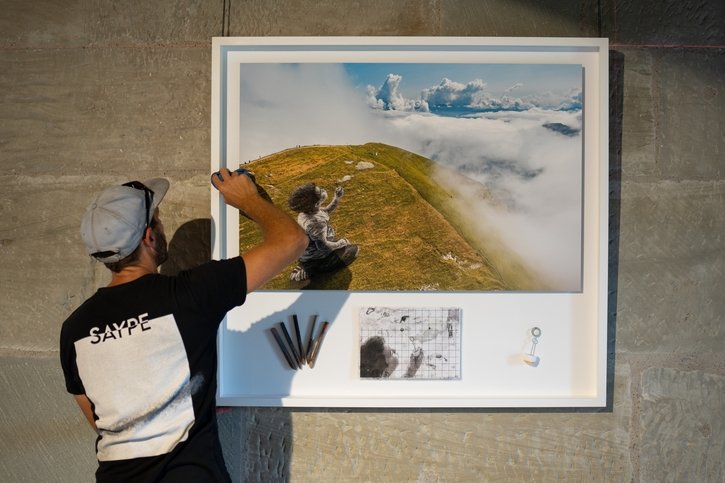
536,78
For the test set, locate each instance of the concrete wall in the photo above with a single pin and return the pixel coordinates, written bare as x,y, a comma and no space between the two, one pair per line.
94,91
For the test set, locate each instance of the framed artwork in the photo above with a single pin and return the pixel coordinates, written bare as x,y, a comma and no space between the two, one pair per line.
445,182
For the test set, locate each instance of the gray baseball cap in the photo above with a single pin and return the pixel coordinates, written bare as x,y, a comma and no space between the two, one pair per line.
116,220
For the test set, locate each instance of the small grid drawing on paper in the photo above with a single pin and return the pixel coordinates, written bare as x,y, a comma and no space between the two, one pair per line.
420,343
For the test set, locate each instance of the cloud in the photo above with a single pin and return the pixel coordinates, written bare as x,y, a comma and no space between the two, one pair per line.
455,94
388,97
471,95
533,172
565,101
285,105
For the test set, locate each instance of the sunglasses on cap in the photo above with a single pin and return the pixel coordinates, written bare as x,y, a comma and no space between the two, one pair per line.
148,197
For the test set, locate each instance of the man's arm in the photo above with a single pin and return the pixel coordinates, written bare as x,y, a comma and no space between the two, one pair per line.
283,239
85,405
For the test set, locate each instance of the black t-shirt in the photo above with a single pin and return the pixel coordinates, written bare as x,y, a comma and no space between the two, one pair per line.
145,355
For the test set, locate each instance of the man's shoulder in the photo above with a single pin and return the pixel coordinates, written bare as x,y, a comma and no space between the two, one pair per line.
212,266
213,275
76,323
107,299
82,309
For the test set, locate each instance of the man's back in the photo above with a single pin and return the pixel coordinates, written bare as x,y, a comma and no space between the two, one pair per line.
143,352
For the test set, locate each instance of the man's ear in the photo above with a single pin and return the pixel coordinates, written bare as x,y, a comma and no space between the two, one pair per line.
148,235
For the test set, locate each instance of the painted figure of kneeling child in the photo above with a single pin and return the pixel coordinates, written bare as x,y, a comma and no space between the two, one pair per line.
325,253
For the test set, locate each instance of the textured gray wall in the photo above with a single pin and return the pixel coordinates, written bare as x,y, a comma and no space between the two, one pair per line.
93,91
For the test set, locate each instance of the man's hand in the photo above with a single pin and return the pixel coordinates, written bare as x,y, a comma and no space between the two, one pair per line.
238,190
85,404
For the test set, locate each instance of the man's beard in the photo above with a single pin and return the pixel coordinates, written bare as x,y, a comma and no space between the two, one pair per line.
161,248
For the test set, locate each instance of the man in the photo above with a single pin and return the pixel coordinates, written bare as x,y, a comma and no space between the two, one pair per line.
140,354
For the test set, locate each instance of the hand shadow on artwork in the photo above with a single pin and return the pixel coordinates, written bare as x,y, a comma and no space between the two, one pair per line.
337,280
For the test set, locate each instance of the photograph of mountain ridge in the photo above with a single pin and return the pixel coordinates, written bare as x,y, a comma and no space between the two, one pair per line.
471,182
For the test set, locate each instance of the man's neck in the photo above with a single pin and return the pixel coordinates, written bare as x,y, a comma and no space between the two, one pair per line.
129,274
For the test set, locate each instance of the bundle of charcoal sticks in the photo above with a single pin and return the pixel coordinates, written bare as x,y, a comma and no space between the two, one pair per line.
298,355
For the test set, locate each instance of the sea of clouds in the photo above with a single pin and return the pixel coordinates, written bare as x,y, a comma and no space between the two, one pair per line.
526,150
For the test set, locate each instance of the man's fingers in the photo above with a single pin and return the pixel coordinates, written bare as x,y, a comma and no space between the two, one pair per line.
219,176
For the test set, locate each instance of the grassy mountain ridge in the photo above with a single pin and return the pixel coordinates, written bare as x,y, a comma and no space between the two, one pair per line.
404,221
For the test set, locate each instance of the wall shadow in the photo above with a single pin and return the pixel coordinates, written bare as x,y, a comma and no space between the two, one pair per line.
189,247
251,438
258,440
616,107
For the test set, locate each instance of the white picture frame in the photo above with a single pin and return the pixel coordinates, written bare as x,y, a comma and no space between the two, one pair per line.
571,370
